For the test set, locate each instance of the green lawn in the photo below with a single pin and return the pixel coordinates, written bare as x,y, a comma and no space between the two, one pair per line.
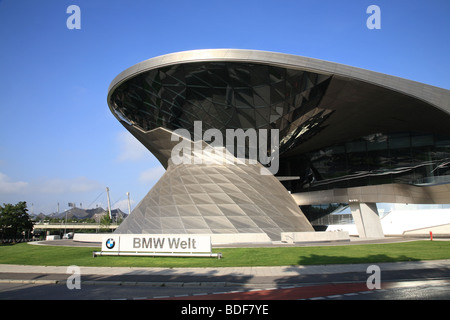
233,257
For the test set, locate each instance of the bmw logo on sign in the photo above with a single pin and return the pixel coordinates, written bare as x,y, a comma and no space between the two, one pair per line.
110,243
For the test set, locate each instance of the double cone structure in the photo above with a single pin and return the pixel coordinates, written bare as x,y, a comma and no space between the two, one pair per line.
222,195
339,128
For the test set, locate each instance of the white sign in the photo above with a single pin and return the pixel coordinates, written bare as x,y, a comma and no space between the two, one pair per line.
156,243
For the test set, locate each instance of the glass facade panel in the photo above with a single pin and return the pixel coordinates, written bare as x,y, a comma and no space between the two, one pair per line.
223,95
408,158
319,118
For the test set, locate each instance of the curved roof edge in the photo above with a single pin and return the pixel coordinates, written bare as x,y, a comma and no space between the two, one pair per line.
436,96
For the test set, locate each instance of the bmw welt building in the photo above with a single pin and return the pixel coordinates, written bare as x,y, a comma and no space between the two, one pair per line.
303,132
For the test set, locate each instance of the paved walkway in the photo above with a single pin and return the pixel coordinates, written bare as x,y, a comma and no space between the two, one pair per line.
215,276
241,271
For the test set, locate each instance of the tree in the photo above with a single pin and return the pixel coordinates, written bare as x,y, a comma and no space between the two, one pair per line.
14,220
105,222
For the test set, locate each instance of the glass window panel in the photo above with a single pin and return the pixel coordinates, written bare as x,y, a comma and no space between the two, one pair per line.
188,210
218,178
171,222
262,96
276,74
221,198
357,161
251,210
188,179
152,223
401,157
231,210
443,142
242,222
166,200
421,155
239,77
201,198
247,118
181,199
243,98
219,96
259,75
194,222
209,210
240,198
275,96
194,188
355,146
228,187
173,76
401,140
218,80
219,222
377,142
378,160
168,211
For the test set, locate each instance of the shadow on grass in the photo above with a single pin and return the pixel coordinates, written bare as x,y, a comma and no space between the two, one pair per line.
316,259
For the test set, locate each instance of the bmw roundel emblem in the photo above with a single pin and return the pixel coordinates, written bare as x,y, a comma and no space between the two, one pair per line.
110,243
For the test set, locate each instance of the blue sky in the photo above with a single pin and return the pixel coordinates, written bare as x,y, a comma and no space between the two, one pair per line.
60,143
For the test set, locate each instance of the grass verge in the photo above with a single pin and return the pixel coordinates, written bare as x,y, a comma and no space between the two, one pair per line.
26,254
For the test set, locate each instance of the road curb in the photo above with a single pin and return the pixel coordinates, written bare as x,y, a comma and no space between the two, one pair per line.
142,283
21,281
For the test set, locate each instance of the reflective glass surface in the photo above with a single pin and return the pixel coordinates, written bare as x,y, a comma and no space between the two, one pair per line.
411,158
223,95
334,131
